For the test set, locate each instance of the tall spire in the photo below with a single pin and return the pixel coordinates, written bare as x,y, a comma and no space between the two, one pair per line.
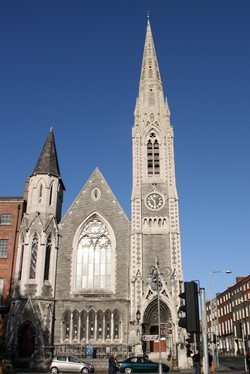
48,162
151,97
150,73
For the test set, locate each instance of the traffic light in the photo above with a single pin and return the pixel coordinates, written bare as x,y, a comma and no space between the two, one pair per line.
239,329
191,320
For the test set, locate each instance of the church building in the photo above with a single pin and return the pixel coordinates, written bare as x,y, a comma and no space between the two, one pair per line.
95,278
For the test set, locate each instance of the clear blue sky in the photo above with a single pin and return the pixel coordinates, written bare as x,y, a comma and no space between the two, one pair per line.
75,65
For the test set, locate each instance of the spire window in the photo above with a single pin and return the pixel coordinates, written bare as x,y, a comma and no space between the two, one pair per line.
153,155
33,258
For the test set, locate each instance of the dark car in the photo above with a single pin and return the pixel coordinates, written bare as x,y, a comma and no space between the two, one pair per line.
140,365
70,364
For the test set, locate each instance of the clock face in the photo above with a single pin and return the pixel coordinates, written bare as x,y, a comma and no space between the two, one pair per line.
154,201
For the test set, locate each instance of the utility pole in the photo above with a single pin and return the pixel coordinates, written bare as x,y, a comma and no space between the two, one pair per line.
204,330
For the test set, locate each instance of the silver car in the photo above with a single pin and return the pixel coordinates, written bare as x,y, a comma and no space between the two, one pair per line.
70,364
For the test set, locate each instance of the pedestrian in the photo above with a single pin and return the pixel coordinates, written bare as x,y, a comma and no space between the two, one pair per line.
211,362
248,362
197,362
113,364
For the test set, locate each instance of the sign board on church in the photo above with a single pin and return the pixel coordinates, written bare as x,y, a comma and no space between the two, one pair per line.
149,338
166,329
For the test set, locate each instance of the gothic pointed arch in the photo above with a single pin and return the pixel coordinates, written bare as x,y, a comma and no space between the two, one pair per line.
94,256
108,324
48,250
33,256
26,340
153,153
51,192
75,320
83,320
117,324
100,315
66,325
91,332
40,190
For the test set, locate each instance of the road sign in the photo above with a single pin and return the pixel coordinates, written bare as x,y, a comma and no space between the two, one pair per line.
166,329
149,338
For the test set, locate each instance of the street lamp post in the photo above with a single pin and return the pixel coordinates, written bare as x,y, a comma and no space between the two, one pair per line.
154,278
212,333
138,318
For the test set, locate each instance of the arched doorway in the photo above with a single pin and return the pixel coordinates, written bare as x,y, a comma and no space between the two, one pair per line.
26,340
150,325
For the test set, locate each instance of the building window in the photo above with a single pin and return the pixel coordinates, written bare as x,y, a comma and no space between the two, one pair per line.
83,325
99,325
40,193
91,324
94,256
108,325
116,324
33,257
75,324
47,258
50,194
153,155
1,289
66,324
5,219
21,260
4,248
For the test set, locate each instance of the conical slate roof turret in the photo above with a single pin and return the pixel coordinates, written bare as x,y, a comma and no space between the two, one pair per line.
48,162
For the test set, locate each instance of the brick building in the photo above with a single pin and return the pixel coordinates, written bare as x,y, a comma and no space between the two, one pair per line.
229,323
11,210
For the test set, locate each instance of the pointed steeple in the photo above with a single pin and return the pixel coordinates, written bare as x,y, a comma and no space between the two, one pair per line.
150,73
151,97
48,162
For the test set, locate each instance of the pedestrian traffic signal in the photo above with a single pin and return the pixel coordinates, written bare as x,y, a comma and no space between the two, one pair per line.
190,321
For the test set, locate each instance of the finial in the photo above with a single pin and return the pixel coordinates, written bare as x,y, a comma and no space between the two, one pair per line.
51,129
148,14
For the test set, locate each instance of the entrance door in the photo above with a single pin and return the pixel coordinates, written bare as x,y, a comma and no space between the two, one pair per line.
26,340
154,345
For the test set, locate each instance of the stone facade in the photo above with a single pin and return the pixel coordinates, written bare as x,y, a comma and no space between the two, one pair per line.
82,280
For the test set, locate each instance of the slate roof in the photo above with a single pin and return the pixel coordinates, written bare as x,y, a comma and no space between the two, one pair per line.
48,162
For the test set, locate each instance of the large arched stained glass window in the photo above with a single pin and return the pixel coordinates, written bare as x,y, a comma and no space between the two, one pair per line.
94,256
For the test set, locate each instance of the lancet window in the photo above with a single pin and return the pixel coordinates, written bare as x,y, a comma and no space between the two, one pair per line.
99,325
50,194
153,155
47,257
21,259
40,193
91,324
75,324
33,257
